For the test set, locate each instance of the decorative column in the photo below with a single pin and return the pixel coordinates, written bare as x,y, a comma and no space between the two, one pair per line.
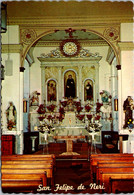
43,85
59,84
120,113
80,83
114,93
21,109
96,91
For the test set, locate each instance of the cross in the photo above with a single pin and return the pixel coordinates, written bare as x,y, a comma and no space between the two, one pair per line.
70,31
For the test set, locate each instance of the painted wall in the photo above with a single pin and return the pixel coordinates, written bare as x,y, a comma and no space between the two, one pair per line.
11,36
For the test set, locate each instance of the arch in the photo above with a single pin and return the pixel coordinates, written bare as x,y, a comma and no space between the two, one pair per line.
50,31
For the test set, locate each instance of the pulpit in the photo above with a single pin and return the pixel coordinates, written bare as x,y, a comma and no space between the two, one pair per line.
69,143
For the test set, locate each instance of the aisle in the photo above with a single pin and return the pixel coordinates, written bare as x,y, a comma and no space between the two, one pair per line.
72,177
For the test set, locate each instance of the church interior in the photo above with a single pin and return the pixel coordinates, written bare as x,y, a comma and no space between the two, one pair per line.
67,97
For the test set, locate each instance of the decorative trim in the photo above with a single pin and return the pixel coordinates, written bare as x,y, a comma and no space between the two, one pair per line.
126,46
118,67
112,34
48,21
110,55
27,36
12,48
83,43
22,69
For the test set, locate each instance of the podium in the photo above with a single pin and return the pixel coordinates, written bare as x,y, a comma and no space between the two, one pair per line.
69,143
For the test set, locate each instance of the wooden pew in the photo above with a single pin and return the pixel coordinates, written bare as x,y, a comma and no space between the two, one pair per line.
112,170
22,182
46,162
106,179
106,158
31,168
122,185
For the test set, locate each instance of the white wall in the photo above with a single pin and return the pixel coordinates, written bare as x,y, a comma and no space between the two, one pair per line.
11,36
127,32
10,88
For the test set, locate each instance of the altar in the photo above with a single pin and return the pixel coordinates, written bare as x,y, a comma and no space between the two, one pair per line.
69,143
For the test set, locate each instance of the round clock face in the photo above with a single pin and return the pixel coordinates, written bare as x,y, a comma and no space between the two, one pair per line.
70,48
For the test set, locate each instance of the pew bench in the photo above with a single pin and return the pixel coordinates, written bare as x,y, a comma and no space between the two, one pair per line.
107,177
22,182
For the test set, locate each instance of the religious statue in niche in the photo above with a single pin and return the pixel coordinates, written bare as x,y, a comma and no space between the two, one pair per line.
34,99
51,90
70,91
88,92
128,108
11,115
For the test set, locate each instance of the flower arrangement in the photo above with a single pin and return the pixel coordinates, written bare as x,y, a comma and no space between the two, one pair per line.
89,116
130,123
41,109
87,107
61,110
79,109
10,125
97,117
63,103
41,118
80,116
77,104
98,106
51,107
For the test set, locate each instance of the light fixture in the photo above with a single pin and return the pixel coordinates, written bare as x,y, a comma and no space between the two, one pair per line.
3,17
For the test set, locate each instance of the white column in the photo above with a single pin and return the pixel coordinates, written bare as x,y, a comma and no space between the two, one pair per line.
120,106
114,93
59,84
43,86
21,109
96,91
79,88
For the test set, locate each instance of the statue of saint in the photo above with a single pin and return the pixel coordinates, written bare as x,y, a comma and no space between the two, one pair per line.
70,87
89,91
51,92
11,116
128,107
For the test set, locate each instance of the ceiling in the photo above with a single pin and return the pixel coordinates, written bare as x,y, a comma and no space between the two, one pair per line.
69,8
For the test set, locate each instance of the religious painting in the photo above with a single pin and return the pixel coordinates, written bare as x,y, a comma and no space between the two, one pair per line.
88,90
51,90
70,84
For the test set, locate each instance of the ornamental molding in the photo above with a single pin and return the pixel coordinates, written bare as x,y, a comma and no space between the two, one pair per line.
90,43
112,34
11,48
57,54
69,61
27,36
64,21
126,46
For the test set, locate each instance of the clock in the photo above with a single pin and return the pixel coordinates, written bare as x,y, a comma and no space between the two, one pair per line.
70,48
